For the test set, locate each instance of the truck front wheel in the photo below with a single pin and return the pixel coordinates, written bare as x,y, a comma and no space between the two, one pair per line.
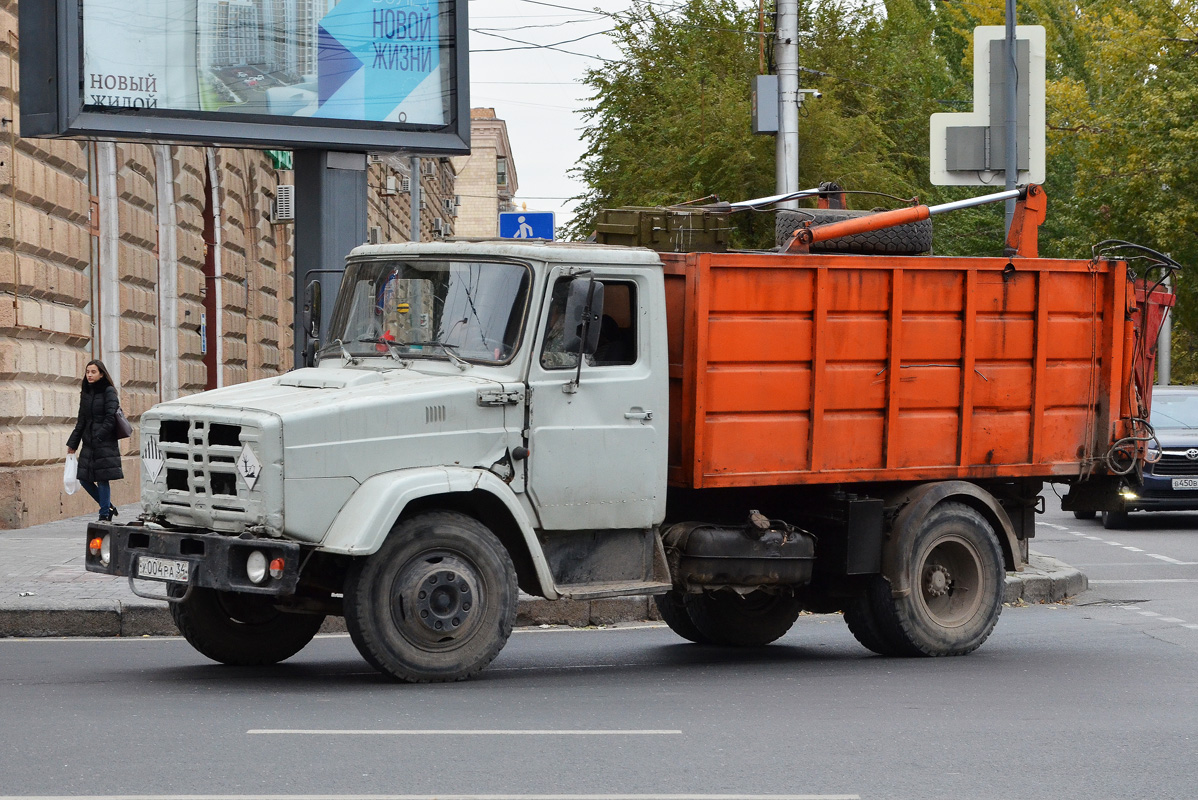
241,629
725,617
953,565
437,602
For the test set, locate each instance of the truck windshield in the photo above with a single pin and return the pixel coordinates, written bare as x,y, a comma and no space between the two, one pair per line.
471,310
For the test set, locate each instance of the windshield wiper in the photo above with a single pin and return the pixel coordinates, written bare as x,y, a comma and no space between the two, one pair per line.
391,343
450,350
349,359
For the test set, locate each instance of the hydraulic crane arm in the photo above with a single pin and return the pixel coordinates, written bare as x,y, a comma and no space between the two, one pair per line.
1022,240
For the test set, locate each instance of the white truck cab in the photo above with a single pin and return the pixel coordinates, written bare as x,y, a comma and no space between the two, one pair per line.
448,381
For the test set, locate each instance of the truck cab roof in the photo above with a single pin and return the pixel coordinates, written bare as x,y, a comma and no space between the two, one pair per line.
537,250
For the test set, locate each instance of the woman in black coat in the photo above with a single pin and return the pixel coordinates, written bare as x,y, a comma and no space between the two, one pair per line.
100,458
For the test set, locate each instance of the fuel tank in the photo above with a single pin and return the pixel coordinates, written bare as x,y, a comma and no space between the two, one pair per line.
762,552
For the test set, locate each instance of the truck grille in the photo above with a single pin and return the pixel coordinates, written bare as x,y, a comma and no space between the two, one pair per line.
1175,464
201,461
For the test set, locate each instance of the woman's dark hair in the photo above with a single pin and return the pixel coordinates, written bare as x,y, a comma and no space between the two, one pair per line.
104,376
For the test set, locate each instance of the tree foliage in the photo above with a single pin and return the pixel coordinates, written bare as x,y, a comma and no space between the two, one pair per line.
669,120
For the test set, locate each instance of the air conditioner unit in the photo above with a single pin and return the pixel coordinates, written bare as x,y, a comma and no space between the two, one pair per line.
374,234
438,226
374,158
405,184
390,187
457,199
447,204
428,167
423,206
283,208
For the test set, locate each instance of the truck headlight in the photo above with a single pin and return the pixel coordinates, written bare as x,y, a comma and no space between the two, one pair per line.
255,566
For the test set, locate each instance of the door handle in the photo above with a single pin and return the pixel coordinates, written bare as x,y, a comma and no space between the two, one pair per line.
638,414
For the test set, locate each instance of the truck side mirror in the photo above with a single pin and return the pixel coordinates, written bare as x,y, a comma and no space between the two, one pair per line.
312,310
584,309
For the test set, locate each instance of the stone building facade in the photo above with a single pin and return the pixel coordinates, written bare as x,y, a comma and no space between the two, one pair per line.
487,177
163,261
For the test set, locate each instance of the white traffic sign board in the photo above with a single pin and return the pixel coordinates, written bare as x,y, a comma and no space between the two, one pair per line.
964,160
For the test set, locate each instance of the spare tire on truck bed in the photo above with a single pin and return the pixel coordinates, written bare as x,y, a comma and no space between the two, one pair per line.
909,239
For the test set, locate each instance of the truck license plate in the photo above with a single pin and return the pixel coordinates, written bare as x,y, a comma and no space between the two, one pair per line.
162,569
1185,483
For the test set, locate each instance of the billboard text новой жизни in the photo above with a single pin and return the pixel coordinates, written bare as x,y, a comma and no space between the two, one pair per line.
366,61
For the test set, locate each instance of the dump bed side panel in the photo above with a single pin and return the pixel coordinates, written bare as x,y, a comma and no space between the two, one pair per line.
813,368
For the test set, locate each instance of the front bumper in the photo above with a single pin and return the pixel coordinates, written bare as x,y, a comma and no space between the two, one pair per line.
216,561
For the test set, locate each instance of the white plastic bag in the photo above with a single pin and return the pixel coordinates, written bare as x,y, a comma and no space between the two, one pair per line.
69,484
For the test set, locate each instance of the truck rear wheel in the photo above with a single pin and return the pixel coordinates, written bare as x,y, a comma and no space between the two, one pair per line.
241,629
436,603
953,564
727,618
863,622
672,606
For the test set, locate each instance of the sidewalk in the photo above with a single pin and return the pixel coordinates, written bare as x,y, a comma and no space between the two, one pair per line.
45,591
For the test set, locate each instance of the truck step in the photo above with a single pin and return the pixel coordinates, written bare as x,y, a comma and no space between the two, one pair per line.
594,591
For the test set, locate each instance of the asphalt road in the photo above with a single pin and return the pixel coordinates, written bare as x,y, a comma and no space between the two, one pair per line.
1063,701
1145,575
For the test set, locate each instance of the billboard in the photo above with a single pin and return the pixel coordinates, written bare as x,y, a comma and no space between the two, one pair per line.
352,74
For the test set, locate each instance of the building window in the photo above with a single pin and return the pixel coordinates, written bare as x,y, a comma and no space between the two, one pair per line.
500,171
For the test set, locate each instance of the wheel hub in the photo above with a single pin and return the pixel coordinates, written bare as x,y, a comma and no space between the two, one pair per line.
937,581
444,601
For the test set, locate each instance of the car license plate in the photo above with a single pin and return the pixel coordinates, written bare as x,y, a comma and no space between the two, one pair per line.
1185,483
162,569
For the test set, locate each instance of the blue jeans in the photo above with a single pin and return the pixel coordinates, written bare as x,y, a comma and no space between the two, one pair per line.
100,492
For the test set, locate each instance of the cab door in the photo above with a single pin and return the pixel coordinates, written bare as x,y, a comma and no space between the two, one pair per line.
597,450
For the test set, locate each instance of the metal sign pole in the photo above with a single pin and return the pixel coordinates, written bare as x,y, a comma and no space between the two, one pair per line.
1012,165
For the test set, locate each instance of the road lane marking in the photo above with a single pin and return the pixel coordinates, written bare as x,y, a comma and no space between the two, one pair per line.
459,732
1154,616
555,796
1168,560
1133,549
1116,544
1112,581
1051,525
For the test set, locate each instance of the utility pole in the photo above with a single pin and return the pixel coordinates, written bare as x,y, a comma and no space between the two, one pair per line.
786,56
1164,344
1012,68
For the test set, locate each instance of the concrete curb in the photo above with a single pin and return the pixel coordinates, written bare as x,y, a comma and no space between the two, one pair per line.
1044,580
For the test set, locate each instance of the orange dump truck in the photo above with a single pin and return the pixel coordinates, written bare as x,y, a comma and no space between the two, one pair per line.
742,435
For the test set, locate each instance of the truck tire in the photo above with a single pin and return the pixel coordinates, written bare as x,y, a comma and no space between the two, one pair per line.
1084,514
1114,520
436,603
954,566
726,618
909,239
241,629
672,606
862,619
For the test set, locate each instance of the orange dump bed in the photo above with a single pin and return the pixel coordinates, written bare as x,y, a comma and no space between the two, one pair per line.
788,369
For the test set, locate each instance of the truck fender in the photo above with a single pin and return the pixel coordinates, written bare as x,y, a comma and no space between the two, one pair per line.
918,502
368,516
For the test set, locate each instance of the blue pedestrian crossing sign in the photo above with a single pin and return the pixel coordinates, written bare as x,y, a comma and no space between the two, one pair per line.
526,225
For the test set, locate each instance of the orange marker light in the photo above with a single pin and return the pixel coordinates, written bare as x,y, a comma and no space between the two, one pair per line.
276,568
94,546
